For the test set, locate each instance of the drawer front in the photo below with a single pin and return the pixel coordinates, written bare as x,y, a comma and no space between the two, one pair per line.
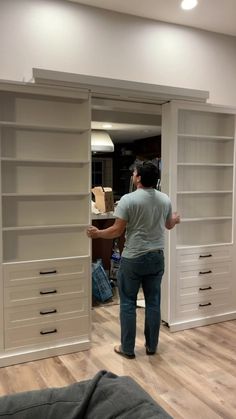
47,333
204,255
16,274
44,312
204,290
199,307
45,292
201,294
212,275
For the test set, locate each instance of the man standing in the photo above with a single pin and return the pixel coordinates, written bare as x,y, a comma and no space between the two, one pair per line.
144,214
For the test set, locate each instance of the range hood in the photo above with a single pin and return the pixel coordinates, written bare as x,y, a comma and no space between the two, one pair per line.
101,142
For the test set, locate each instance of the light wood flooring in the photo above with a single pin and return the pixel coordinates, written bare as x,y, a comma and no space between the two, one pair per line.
193,376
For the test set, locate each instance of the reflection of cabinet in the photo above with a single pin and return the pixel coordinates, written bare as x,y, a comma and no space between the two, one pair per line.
45,194
199,177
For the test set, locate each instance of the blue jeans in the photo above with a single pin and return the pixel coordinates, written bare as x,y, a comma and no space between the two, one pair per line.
146,270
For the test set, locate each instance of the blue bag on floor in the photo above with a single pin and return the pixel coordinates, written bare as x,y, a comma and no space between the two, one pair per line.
101,287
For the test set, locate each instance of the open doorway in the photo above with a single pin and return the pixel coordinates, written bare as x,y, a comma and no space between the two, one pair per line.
135,134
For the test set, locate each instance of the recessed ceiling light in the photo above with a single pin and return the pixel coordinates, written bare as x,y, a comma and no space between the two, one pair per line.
106,126
189,4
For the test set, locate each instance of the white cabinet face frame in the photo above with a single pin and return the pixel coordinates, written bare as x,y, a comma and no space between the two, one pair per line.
198,151
45,208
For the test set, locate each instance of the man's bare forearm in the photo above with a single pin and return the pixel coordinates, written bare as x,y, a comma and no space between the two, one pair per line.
112,232
109,233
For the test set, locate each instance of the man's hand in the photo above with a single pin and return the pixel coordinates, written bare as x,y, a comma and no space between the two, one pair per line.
176,217
93,232
171,222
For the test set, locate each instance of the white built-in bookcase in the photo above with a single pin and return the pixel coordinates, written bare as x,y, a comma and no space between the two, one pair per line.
45,178
199,175
45,197
205,167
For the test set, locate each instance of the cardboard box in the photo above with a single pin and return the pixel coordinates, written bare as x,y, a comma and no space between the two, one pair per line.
104,200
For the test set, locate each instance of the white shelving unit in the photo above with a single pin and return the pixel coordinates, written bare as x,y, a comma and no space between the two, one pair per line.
199,176
45,209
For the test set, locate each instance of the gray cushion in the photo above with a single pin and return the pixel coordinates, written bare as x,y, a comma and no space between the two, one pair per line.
106,396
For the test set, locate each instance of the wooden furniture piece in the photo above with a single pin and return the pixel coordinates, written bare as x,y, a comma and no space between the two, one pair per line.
199,175
102,249
45,209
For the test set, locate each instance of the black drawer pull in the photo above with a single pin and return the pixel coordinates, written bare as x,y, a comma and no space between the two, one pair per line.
205,272
46,332
48,292
204,305
205,256
48,272
52,311
205,289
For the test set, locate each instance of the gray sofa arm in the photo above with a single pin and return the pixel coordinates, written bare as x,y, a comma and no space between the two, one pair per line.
106,396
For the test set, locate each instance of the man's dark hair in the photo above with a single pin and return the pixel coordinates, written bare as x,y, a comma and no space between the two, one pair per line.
149,174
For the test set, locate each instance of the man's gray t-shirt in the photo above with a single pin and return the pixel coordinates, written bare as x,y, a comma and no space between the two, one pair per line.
146,211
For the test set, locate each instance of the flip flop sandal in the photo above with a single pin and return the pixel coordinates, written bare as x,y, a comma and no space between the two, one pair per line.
119,351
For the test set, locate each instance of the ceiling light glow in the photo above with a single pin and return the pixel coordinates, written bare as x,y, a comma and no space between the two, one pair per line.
189,4
106,125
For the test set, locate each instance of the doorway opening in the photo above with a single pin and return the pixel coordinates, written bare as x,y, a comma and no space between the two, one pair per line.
136,135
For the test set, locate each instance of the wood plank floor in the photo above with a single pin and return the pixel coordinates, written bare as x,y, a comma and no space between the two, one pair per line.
193,376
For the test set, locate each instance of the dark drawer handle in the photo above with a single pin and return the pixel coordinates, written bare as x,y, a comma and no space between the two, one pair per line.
53,310
48,272
204,305
47,332
48,292
205,272
205,256
205,289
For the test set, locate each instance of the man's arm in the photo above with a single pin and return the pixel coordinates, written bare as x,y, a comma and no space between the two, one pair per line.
172,221
112,232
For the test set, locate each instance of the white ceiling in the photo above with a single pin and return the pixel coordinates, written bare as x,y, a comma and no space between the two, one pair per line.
211,15
127,133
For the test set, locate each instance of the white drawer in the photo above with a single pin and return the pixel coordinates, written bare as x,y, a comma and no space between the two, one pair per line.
44,312
190,276
201,307
47,333
54,270
204,255
45,292
205,291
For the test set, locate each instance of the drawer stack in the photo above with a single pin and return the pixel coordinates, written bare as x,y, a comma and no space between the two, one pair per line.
45,301
204,282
